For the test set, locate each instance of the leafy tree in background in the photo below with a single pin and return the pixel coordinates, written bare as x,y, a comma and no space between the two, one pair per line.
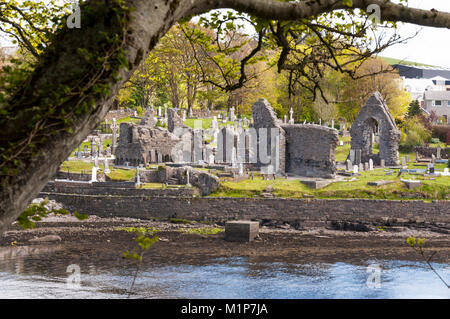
77,72
414,108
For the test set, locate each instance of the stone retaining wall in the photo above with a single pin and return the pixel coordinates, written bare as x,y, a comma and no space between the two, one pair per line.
299,212
124,190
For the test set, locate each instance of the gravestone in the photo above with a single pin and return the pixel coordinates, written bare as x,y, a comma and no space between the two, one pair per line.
355,169
214,124
153,156
382,163
361,167
366,166
349,165
358,156
438,152
352,156
403,160
114,128
370,165
411,183
106,170
232,116
94,174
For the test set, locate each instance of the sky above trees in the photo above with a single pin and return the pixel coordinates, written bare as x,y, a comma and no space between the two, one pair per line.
430,46
427,47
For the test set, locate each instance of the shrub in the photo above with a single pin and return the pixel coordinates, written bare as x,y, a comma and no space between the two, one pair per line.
441,132
435,140
415,134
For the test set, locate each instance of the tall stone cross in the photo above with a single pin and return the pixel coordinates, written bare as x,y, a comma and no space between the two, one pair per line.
114,128
291,116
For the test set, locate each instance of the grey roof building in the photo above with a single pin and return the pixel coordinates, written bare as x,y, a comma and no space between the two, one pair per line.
439,102
422,72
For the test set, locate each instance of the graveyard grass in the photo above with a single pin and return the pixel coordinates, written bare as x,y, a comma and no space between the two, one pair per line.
436,189
206,123
115,174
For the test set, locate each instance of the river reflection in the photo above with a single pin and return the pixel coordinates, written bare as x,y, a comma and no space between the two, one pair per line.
41,272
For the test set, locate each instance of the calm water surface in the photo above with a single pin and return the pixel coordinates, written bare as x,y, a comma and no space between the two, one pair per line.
42,274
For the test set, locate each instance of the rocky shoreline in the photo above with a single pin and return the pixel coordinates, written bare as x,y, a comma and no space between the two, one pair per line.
103,240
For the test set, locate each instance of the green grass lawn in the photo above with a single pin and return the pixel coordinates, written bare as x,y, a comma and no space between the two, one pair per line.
343,151
431,189
118,174
392,61
206,123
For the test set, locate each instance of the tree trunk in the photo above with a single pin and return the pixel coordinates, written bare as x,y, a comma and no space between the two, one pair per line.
63,65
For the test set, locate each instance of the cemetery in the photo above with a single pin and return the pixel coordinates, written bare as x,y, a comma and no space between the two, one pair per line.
262,157
262,168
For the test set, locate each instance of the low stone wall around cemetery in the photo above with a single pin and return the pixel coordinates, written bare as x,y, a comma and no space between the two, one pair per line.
428,151
118,114
103,190
298,212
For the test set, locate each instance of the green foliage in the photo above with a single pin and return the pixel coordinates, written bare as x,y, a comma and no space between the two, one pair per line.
145,240
418,246
414,134
202,231
160,124
414,109
35,212
286,188
180,221
29,119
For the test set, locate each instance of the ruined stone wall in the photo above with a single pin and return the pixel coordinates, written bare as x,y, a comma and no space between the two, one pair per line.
375,113
270,133
310,150
118,114
139,144
173,120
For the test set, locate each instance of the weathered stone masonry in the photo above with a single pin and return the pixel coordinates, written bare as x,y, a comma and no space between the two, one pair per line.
304,212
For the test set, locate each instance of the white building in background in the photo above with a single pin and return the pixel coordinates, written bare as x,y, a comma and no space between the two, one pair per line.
417,87
8,50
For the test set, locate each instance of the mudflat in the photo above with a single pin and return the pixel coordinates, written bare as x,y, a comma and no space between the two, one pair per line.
103,240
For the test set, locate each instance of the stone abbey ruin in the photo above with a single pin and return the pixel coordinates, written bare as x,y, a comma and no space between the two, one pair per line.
373,118
268,144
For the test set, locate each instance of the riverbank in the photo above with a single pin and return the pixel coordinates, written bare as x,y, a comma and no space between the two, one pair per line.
101,241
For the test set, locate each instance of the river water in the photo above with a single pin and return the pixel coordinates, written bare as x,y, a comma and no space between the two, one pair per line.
45,273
